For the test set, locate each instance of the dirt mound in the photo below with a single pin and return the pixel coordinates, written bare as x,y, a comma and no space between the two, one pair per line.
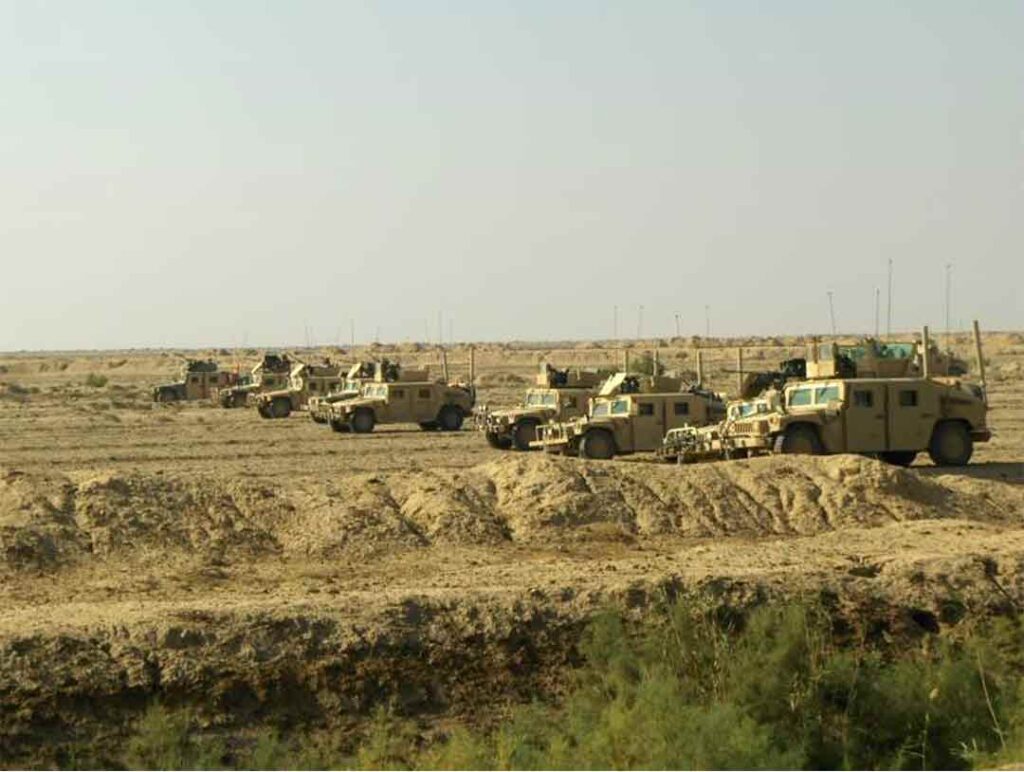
46,521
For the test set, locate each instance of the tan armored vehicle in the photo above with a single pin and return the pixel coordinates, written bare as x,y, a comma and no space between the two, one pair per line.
269,374
360,373
631,414
893,418
304,381
559,395
199,379
412,398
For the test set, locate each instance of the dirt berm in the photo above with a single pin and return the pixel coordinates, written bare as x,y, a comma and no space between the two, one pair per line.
450,592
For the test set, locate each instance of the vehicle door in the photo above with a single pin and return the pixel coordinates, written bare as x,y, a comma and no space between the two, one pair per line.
570,406
864,409
398,404
913,409
423,405
648,423
683,411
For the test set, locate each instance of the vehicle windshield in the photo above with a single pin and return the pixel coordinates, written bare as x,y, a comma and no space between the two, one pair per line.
601,408
375,390
748,409
620,407
541,399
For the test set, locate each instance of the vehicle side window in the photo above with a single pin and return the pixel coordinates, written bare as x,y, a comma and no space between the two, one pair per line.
800,397
908,398
398,393
195,379
681,408
862,398
825,394
645,408
424,394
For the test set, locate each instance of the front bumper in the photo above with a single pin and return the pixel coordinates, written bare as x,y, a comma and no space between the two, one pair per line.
555,437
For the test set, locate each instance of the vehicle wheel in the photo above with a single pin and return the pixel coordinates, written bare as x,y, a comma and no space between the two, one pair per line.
951,444
498,442
317,419
428,426
523,433
363,421
263,411
281,407
450,418
800,439
898,457
597,444
338,426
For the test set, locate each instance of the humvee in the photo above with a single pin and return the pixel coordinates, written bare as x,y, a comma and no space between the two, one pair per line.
892,418
412,398
268,374
199,379
559,395
360,373
304,381
631,414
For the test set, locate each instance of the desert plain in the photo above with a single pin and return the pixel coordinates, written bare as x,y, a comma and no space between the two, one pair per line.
264,570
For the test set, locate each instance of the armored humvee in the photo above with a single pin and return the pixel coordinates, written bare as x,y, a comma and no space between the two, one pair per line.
631,413
412,398
304,381
268,374
893,418
559,395
360,373
199,379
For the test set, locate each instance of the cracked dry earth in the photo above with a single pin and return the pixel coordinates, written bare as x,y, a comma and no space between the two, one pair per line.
276,571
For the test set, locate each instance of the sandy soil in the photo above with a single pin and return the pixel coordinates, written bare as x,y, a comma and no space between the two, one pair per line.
268,569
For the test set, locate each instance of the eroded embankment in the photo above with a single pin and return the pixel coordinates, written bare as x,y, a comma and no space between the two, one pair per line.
895,551
53,521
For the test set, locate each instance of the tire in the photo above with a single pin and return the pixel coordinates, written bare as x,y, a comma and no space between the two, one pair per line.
523,433
428,426
338,426
363,421
281,407
498,442
951,444
597,444
263,411
799,439
449,418
898,457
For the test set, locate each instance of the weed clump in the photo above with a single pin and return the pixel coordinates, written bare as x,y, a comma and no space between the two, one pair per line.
95,381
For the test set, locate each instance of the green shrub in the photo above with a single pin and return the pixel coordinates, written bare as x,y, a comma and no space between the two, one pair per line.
95,381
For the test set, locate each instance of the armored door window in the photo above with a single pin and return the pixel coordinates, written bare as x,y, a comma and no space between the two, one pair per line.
423,394
862,398
397,393
681,408
908,398
195,379
825,394
645,408
312,386
799,397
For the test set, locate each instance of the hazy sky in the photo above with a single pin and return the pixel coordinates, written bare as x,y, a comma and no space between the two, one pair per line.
207,173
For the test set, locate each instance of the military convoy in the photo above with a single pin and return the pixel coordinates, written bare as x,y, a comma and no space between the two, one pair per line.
304,381
559,395
198,379
631,414
893,408
268,374
891,400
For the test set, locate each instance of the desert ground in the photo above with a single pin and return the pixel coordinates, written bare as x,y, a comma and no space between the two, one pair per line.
269,569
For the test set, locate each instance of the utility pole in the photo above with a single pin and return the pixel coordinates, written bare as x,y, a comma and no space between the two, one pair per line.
831,312
615,322
679,329
639,322
451,334
440,329
352,332
888,312
878,293
707,321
